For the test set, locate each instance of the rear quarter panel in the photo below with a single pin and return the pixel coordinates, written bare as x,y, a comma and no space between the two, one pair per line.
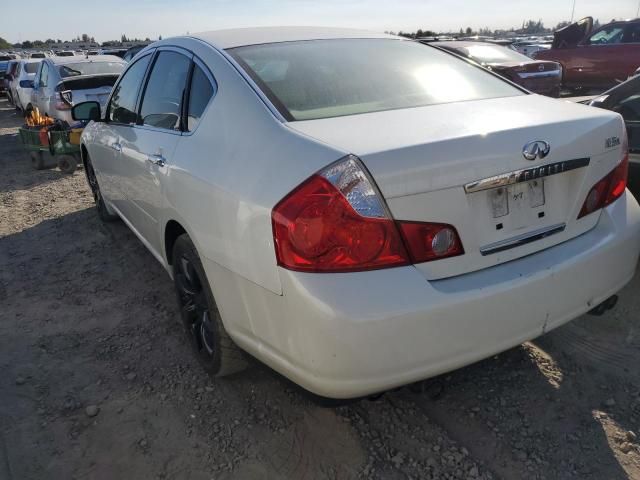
228,174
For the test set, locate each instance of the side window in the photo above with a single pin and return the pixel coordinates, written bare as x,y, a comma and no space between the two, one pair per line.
122,108
607,36
632,33
200,93
44,75
162,101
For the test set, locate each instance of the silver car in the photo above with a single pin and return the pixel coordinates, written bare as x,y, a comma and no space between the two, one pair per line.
26,70
61,82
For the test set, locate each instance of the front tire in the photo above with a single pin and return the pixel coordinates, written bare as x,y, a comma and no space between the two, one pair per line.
211,344
103,211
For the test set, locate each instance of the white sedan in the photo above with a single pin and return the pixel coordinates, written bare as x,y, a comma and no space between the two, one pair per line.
359,211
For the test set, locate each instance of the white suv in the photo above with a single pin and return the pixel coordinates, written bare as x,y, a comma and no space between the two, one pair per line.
357,210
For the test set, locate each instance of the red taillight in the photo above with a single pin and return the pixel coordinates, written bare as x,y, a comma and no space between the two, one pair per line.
430,241
63,100
336,221
607,190
317,230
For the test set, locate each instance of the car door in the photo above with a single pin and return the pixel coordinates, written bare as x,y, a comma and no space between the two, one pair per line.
148,148
596,62
42,98
120,118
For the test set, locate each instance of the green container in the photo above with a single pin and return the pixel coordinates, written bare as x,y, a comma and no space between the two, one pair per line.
58,141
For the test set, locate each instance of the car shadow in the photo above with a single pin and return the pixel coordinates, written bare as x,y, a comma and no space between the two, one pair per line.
541,411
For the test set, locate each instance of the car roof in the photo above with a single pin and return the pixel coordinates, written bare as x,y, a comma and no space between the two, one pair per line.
81,59
238,37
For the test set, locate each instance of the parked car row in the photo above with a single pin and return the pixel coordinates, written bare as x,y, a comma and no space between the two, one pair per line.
19,71
357,210
55,84
597,59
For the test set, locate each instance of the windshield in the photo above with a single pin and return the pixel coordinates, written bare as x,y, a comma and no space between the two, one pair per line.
31,67
329,78
3,66
90,68
492,54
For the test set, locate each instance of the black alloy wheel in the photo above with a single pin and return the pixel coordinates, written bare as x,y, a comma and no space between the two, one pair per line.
105,216
211,344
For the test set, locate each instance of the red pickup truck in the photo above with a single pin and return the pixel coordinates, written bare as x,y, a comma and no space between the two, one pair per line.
596,59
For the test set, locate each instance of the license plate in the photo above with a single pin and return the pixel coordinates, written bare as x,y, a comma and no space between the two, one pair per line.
518,197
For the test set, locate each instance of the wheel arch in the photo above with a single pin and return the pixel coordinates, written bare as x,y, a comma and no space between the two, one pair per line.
83,154
172,230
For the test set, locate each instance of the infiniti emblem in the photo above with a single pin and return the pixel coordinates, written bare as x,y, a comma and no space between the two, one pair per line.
536,149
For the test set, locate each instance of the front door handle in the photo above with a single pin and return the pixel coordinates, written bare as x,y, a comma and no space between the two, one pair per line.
117,147
157,159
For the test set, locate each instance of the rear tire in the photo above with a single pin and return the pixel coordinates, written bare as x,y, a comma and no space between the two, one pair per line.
37,160
67,164
211,344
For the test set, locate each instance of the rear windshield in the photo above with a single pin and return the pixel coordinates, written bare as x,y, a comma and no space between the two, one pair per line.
31,67
330,78
492,54
90,68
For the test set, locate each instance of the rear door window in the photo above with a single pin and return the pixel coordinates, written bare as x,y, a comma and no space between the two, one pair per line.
164,93
44,75
31,67
200,94
632,33
122,108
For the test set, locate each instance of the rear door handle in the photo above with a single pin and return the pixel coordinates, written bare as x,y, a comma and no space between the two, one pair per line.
157,159
117,147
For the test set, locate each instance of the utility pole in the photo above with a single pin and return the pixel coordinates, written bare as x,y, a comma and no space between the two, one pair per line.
638,11
573,10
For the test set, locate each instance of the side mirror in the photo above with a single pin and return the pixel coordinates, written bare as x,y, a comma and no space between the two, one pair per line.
26,83
86,111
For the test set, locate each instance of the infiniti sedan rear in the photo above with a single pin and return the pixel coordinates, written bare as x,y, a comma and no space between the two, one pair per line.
356,210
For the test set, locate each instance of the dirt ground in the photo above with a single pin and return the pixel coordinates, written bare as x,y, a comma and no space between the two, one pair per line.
97,379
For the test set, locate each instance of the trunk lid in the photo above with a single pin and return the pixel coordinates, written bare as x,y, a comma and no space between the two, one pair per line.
571,35
88,87
428,161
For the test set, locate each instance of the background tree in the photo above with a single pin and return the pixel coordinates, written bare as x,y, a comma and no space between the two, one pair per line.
4,44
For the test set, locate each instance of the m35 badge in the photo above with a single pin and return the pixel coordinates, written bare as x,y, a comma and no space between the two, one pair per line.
612,142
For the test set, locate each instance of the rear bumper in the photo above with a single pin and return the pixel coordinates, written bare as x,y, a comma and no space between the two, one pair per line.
348,335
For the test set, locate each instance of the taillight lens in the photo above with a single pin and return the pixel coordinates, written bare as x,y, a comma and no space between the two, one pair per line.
63,100
607,190
430,241
336,221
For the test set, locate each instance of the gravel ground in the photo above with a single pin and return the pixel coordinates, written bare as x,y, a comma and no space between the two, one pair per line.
97,380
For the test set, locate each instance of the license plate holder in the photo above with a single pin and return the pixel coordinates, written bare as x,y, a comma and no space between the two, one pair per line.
517,198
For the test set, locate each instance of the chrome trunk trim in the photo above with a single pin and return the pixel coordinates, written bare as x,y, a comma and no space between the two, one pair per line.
525,175
522,239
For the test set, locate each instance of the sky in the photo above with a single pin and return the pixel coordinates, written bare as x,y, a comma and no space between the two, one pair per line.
109,19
